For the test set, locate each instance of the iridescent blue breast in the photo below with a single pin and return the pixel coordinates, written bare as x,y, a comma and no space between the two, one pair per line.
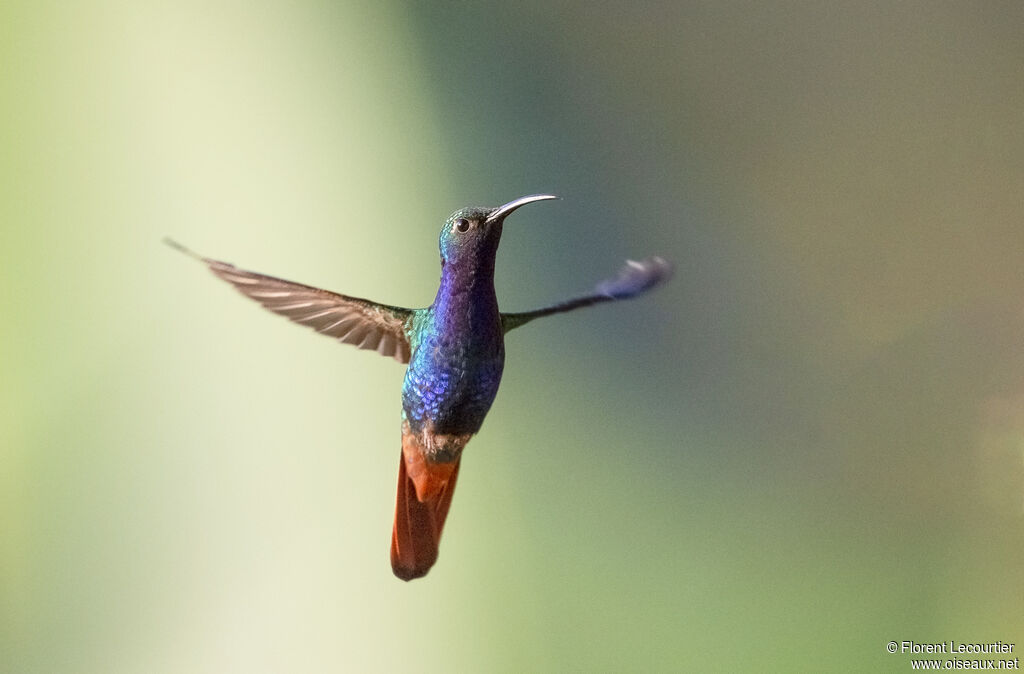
450,384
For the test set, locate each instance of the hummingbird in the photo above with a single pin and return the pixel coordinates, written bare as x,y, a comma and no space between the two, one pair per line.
454,349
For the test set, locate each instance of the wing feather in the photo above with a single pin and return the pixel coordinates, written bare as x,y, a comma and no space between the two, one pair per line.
351,320
634,278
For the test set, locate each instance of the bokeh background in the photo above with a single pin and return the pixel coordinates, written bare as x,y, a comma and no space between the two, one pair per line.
809,444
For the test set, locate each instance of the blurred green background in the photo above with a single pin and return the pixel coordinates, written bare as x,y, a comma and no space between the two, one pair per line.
809,444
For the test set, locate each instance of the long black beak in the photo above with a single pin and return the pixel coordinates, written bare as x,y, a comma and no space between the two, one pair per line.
501,211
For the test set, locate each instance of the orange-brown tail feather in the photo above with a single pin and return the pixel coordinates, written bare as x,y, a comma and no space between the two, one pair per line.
418,524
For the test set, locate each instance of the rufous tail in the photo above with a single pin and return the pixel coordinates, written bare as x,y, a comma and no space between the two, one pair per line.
418,523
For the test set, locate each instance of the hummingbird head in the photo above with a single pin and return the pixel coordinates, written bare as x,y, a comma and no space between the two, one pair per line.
471,235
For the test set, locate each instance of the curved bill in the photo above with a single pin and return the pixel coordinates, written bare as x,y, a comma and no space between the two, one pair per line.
501,211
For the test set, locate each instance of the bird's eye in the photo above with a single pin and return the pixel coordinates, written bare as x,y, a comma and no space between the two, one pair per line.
462,225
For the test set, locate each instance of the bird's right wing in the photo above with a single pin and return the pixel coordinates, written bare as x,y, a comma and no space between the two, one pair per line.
633,279
350,320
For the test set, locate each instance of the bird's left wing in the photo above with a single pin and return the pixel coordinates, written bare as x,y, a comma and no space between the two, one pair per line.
633,279
350,320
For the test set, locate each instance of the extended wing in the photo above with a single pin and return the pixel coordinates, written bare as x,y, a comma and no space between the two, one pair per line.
633,279
350,320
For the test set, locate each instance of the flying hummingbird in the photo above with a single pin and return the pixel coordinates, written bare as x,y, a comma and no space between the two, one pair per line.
455,349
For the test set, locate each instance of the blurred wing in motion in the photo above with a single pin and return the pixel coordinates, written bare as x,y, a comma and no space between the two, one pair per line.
634,278
350,320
